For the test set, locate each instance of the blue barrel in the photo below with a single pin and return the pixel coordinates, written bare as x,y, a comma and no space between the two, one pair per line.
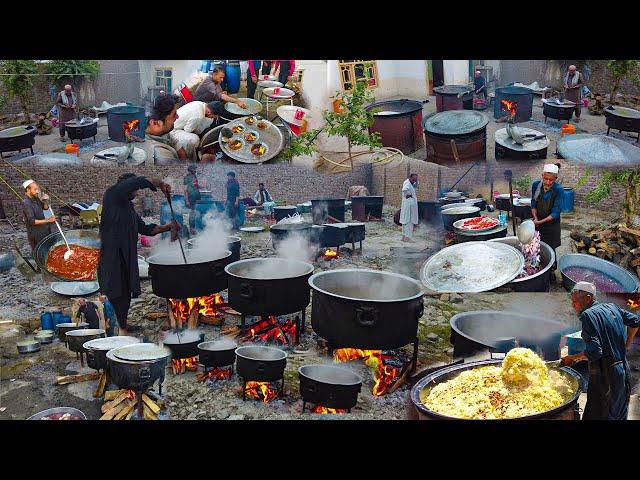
205,65
56,318
233,76
569,199
46,321
241,214
117,116
165,216
202,208
206,197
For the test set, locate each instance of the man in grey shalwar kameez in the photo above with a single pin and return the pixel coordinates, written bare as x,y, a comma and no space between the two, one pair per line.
67,104
409,207
573,83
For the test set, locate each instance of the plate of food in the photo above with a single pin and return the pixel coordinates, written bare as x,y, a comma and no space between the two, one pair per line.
476,224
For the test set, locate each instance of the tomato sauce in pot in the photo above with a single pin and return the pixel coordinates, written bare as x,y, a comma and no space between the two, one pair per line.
81,265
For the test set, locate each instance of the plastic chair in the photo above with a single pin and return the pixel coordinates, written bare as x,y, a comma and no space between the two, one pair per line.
89,218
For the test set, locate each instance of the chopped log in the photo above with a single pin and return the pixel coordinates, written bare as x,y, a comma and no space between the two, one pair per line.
581,237
156,398
112,394
211,319
102,384
77,378
129,406
230,311
631,231
119,399
149,403
156,315
130,414
148,413
111,412
230,330
592,251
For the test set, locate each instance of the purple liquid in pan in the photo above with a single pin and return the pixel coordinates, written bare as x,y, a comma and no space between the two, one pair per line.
603,283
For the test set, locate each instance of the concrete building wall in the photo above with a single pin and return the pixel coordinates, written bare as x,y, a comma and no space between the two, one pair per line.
545,72
456,72
182,70
119,81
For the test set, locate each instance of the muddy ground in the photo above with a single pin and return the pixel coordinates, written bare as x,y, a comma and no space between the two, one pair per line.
28,381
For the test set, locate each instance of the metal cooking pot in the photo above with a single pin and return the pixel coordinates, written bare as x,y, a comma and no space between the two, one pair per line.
274,286
260,364
28,346
45,336
97,349
84,238
329,386
202,275
17,138
565,411
233,243
63,328
455,213
51,411
183,344
77,338
217,353
81,130
622,276
280,232
136,375
538,282
366,309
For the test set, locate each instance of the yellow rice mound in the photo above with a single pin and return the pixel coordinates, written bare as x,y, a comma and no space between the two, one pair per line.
522,386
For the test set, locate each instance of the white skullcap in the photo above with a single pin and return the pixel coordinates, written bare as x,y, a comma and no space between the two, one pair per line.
27,183
587,287
478,71
551,168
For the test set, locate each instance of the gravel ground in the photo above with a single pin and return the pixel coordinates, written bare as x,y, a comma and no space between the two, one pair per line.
32,377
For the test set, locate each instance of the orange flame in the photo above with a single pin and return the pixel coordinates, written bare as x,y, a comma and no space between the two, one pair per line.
384,376
215,374
325,410
181,365
511,107
633,303
270,330
329,254
183,308
130,126
261,391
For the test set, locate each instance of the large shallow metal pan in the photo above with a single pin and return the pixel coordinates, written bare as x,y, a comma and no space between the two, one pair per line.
471,267
253,107
51,411
75,289
85,238
598,150
271,137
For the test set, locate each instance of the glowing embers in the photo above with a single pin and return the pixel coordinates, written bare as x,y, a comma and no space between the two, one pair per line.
509,107
215,374
330,254
271,330
182,365
324,410
633,303
264,391
389,367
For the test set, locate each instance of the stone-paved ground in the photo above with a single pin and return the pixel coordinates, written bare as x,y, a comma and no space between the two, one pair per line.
188,399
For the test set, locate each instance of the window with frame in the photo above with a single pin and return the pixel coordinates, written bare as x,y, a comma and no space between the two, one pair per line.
164,78
352,71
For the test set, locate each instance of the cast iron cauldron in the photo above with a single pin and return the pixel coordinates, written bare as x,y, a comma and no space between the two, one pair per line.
137,375
453,214
82,130
628,281
63,328
97,349
274,286
77,338
284,211
217,353
183,344
329,386
233,244
202,275
328,236
567,411
84,238
280,232
16,139
261,364
366,309
622,119
479,330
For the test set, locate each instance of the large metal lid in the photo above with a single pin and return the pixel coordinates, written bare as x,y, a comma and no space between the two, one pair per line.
141,352
17,131
598,150
453,89
464,209
622,112
185,336
85,332
253,107
503,138
556,102
471,267
109,343
395,108
455,122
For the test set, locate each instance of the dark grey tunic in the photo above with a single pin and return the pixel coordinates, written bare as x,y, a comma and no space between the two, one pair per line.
32,211
119,228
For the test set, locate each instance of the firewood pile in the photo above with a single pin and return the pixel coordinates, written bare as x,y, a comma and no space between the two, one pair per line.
618,244
597,107
121,405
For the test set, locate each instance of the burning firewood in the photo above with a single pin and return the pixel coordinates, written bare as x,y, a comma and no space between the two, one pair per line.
123,403
156,315
230,331
102,384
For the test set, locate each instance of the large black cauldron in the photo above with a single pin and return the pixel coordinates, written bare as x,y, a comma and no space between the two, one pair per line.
329,386
16,139
202,275
81,130
365,309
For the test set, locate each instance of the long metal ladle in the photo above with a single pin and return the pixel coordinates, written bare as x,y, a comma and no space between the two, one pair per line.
173,219
69,252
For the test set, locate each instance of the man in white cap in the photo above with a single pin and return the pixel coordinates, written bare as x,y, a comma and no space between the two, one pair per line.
546,204
480,84
67,104
33,208
573,83
607,331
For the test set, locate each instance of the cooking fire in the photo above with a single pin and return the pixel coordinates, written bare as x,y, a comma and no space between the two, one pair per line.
330,254
325,410
208,306
215,374
270,329
388,366
261,391
182,365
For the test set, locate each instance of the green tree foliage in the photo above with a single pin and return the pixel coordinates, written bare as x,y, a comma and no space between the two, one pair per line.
74,69
354,123
523,184
17,79
621,69
304,144
629,179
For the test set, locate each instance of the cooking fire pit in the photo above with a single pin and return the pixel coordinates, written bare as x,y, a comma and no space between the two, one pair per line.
556,109
456,133
323,208
512,98
260,364
532,150
329,387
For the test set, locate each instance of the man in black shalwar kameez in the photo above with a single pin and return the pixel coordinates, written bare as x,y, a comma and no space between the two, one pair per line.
119,228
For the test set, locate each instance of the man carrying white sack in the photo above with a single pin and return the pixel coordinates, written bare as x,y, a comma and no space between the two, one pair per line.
409,207
193,119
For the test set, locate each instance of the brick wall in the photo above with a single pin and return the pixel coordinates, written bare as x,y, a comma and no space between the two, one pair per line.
284,181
